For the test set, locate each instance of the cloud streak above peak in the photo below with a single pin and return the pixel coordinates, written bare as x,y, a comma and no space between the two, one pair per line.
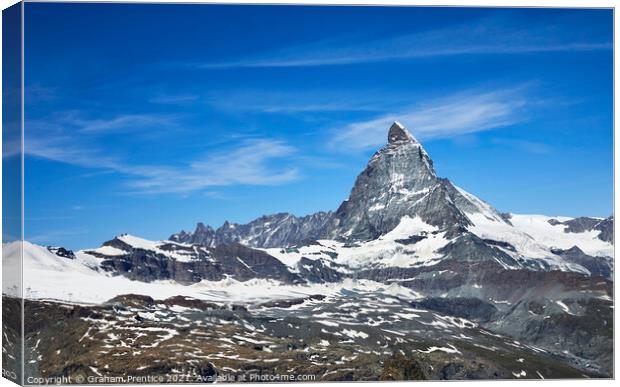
462,113
490,38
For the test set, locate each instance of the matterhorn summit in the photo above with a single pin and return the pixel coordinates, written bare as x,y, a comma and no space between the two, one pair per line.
400,181
398,133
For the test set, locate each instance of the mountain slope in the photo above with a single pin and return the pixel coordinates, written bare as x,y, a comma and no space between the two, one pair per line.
144,260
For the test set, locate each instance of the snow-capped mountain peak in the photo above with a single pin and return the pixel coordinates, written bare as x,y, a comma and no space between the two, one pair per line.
398,133
399,184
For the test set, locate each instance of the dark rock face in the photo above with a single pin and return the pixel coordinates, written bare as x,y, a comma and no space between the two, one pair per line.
398,134
148,266
203,235
583,224
193,303
61,252
399,367
597,266
411,240
470,308
201,263
318,271
469,247
586,330
506,216
502,244
254,264
132,300
398,181
12,340
555,310
290,302
452,371
606,226
279,230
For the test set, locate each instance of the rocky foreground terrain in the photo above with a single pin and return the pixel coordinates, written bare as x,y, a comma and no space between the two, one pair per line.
411,278
353,336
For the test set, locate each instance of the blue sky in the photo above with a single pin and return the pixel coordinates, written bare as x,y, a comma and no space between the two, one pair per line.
148,118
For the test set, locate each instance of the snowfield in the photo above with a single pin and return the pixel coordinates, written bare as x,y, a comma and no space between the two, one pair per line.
382,252
532,236
539,228
48,276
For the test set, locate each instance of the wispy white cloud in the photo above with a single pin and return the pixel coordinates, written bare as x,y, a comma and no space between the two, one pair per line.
45,238
75,121
302,101
360,55
73,137
121,122
458,114
70,150
250,163
491,37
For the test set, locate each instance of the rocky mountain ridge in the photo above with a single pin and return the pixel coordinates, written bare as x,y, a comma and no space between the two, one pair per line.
398,181
280,229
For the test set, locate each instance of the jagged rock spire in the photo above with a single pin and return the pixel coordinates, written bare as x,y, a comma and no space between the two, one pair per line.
399,180
398,133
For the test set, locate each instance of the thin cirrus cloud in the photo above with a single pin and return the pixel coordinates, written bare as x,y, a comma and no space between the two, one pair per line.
491,38
82,123
462,113
251,163
65,149
123,122
301,102
74,137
